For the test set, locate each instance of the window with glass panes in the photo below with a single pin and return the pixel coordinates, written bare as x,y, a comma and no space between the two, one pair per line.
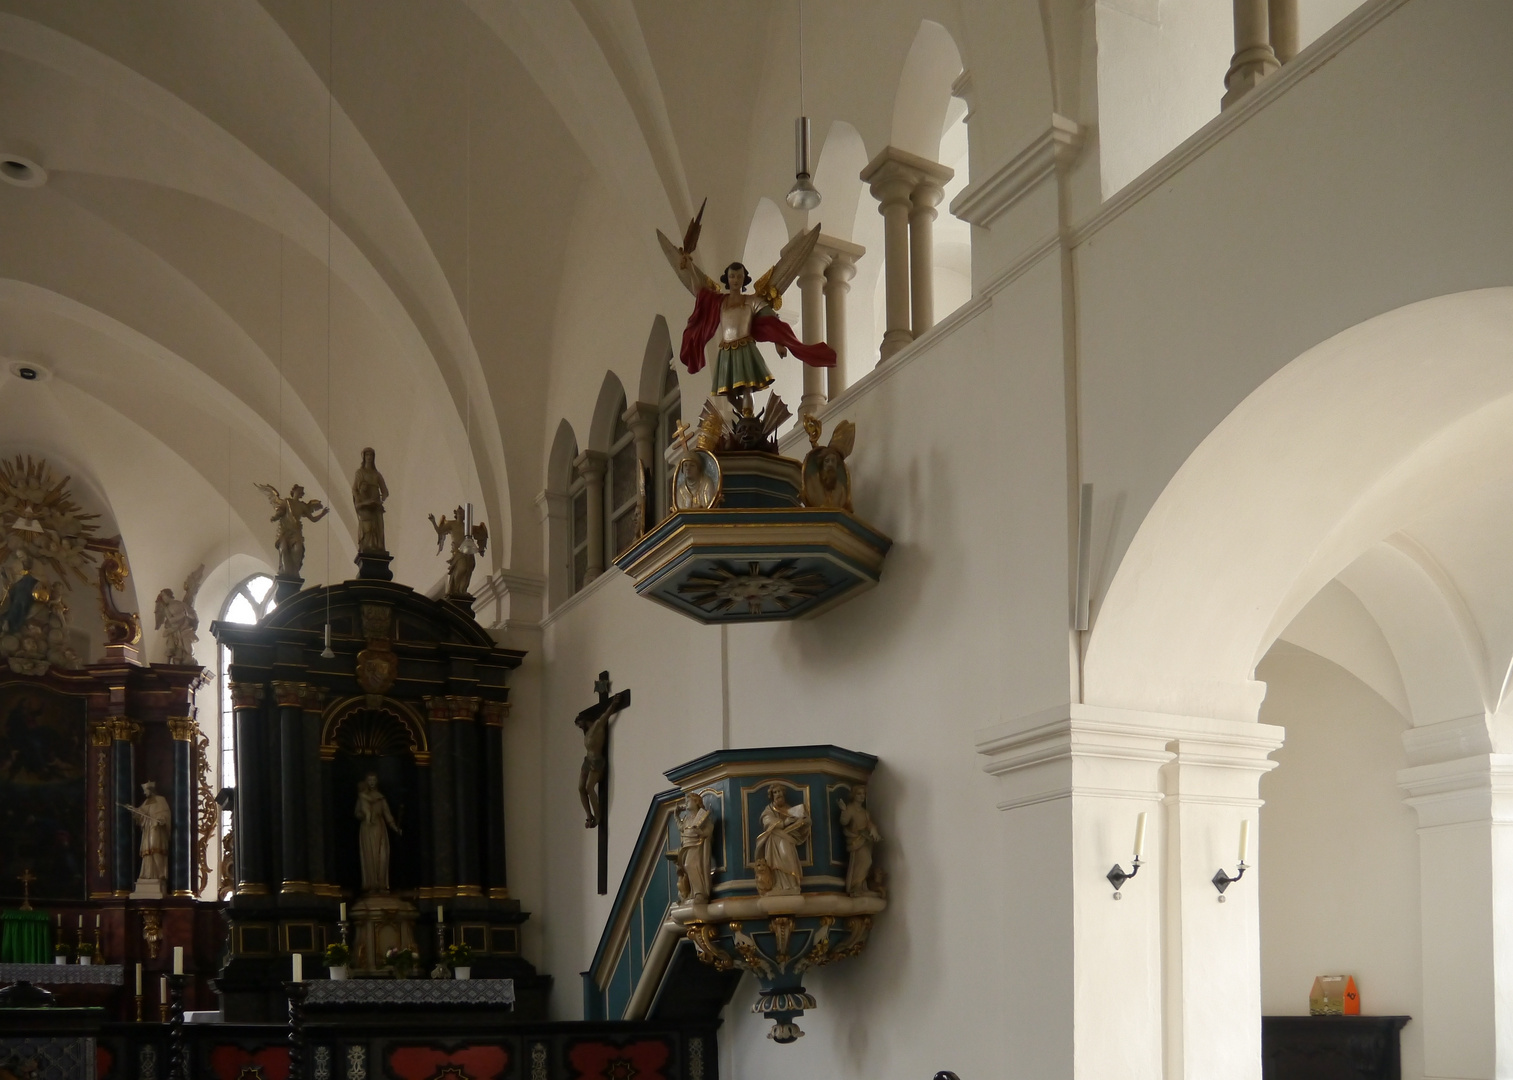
247,604
620,490
669,412
577,493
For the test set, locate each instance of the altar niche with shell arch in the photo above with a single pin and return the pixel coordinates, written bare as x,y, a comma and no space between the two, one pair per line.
370,733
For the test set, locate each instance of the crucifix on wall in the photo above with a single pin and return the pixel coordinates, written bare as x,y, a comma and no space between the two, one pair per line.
593,778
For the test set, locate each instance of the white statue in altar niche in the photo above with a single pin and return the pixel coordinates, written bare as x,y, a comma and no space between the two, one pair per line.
694,857
368,494
784,830
373,834
155,819
178,620
861,835
290,514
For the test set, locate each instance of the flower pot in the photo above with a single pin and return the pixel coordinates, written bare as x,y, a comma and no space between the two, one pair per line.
60,958
85,961
462,973
339,972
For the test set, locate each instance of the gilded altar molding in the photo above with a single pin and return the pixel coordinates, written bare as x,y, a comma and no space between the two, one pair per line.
209,812
123,729
245,695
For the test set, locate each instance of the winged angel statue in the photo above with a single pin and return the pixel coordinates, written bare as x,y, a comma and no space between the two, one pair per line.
178,619
289,514
741,318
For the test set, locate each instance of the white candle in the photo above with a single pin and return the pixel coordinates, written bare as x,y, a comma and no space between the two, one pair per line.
81,922
139,980
178,959
344,912
299,968
1244,839
97,922
163,990
441,916
1140,835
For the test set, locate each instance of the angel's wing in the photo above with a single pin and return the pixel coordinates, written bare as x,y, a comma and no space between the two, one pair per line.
774,283
192,585
270,491
159,612
691,276
481,536
843,437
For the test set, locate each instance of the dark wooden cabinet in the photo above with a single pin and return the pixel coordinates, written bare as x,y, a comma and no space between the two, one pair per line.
1331,1047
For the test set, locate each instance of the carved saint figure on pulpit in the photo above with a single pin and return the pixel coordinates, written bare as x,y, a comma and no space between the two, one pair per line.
290,514
373,834
155,819
784,830
694,855
741,318
861,834
368,494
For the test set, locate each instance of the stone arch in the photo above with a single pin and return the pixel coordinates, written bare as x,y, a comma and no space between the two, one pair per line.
1349,446
654,361
608,410
556,514
924,90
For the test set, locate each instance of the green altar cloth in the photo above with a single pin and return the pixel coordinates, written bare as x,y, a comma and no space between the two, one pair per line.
25,937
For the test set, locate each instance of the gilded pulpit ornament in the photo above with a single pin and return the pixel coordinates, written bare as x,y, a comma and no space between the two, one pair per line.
177,619
44,539
373,835
289,515
466,547
827,481
155,820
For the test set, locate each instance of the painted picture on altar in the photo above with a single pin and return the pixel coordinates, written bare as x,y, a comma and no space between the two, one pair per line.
43,794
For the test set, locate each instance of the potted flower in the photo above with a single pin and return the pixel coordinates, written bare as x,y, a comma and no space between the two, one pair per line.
336,959
86,953
401,962
60,953
460,956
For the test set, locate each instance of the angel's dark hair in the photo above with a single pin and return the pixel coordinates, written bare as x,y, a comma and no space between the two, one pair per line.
725,277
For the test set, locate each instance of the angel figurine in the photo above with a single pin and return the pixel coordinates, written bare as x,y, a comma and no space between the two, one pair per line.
178,620
741,318
290,514
464,556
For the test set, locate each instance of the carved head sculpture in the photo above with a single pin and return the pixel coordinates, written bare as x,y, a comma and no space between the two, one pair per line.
297,492
367,457
859,795
370,782
778,796
735,277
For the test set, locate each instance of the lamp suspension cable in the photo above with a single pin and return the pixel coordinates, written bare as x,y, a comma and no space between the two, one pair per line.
467,546
803,195
327,653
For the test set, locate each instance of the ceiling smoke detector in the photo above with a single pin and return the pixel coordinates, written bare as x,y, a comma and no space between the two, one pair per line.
21,171
29,370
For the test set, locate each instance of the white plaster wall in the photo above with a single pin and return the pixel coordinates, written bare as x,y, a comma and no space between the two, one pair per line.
1339,881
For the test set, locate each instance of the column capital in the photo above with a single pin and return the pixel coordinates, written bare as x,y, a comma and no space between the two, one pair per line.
839,252
553,504
892,166
123,729
641,418
312,698
182,728
99,734
462,707
288,695
495,712
1478,788
246,695
592,463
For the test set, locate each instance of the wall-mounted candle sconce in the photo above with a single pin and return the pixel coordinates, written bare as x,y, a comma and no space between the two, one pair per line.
1117,877
1222,880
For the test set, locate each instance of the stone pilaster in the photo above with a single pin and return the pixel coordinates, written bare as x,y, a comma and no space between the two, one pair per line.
250,820
908,188
840,268
592,465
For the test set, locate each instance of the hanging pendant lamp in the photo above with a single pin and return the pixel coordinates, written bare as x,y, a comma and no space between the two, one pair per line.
803,195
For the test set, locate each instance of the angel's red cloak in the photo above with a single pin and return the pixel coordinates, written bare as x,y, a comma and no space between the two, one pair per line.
705,320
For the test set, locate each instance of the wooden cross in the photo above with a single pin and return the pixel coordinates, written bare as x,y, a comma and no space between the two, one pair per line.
593,778
26,877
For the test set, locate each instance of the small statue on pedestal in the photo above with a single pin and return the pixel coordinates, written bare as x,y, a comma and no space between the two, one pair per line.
373,835
178,619
694,858
466,547
290,514
861,835
784,830
155,819
740,318
368,494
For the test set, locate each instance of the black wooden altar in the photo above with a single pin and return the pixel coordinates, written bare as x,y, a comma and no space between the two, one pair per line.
1330,1047
417,693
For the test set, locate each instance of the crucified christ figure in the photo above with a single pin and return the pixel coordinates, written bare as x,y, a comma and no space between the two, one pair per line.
594,722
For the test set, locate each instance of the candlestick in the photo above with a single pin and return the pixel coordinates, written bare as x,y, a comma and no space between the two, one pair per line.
139,1008
178,959
1244,839
1140,835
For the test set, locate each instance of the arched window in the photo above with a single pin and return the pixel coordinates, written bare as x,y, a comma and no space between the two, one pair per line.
577,493
620,490
245,604
669,412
